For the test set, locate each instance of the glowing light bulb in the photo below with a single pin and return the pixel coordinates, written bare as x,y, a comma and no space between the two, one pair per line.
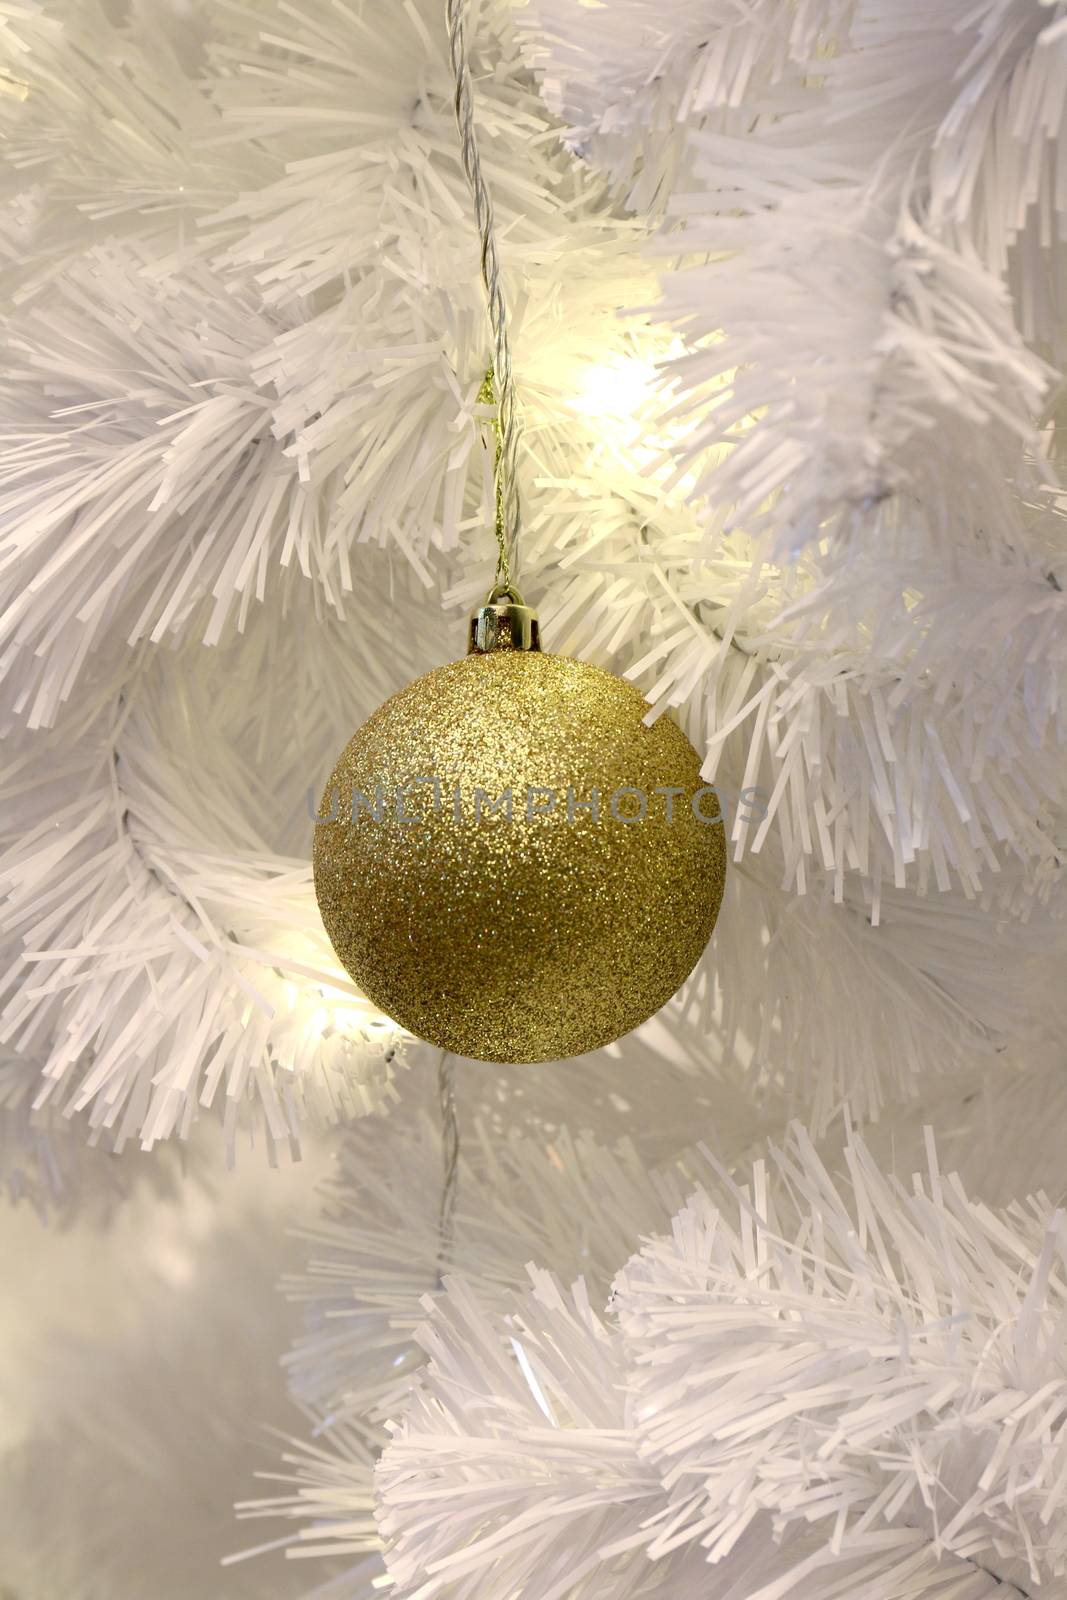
618,390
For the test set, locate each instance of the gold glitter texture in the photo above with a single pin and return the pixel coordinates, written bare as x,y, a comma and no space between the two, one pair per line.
538,937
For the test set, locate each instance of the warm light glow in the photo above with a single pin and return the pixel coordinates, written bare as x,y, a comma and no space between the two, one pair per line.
617,391
10,85
307,999
623,399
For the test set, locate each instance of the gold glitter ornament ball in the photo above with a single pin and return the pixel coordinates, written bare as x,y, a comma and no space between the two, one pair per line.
514,866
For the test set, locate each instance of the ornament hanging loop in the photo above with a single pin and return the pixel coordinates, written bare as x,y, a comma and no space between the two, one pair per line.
507,489
505,622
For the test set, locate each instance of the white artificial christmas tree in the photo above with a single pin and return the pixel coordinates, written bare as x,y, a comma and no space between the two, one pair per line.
786,285
807,1393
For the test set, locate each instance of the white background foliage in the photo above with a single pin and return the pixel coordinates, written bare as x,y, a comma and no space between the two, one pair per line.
787,291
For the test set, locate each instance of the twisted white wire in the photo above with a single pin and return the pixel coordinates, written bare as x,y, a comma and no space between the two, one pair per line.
506,476
446,1217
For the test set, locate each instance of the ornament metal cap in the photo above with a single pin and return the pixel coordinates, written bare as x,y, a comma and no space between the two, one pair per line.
505,622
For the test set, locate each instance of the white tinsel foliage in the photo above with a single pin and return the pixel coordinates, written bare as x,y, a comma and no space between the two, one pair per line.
811,1384
529,1188
634,83
569,1198
990,1129
931,985
532,1191
854,122
243,388
237,388
104,115
294,401
859,384
163,948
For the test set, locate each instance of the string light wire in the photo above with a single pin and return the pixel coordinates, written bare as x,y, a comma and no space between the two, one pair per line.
446,1216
